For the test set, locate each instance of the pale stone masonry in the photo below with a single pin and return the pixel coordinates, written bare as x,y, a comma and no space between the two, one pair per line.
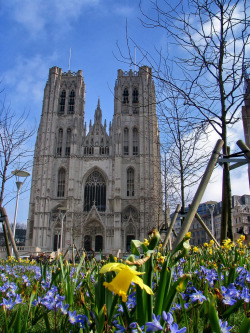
109,182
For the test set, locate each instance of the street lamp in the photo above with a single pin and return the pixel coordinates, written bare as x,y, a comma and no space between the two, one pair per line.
19,175
210,205
63,211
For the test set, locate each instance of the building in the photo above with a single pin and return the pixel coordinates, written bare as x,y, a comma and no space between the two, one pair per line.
212,219
96,188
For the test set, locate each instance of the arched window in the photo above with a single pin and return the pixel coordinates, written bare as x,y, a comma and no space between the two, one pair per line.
135,141
68,142
95,192
59,142
125,96
71,102
126,141
135,95
61,183
130,182
62,102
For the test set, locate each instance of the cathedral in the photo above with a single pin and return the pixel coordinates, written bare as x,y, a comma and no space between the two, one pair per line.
97,186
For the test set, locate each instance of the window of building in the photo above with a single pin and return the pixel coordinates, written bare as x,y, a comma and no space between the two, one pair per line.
95,192
59,142
62,102
126,141
125,96
68,142
61,183
135,141
135,95
130,182
71,102
128,242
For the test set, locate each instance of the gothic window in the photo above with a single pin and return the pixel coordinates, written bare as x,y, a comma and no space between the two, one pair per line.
61,183
59,142
135,95
71,102
125,96
102,151
135,141
125,141
68,142
130,182
95,192
62,102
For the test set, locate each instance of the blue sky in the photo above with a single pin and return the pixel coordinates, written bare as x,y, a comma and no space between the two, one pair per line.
38,34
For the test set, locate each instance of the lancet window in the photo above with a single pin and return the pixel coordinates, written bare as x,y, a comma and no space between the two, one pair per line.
71,102
62,102
95,192
61,183
135,95
59,142
125,96
68,142
126,141
130,182
135,141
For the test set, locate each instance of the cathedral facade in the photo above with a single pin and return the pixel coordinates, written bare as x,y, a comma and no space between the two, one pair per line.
96,186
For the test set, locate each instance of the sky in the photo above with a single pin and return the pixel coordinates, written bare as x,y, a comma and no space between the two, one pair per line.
39,34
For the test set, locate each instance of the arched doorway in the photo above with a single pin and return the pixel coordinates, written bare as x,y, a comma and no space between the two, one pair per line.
87,243
98,243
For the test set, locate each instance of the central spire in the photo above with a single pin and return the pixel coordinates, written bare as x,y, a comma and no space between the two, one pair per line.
98,112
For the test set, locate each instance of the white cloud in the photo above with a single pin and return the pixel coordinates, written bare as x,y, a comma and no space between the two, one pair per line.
38,16
26,79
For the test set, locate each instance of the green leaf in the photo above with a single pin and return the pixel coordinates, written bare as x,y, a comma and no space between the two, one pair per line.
213,317
134,247
245,326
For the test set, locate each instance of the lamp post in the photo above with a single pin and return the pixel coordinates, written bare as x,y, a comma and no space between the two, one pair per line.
19,175
63,211
210,205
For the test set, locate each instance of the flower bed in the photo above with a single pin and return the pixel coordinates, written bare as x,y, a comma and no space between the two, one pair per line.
199,289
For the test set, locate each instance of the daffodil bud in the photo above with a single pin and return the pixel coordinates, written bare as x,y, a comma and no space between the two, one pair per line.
154,240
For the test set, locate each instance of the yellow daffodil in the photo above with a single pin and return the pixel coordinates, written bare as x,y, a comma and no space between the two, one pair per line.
146,242
195,249
188,235
205,244
121,283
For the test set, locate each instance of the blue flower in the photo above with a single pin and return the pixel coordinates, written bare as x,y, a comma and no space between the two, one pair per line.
154,326
224,327
73,317
245,295
64,309
82,319
120,328
18,299
7,304
175,329
197,296
167,317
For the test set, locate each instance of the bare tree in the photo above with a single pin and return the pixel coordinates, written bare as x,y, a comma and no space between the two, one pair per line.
207,42
184,141
14,152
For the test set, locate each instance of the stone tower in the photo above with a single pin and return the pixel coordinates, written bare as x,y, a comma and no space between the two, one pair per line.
96,188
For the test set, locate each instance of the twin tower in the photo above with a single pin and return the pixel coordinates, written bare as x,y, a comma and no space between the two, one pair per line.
96,186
